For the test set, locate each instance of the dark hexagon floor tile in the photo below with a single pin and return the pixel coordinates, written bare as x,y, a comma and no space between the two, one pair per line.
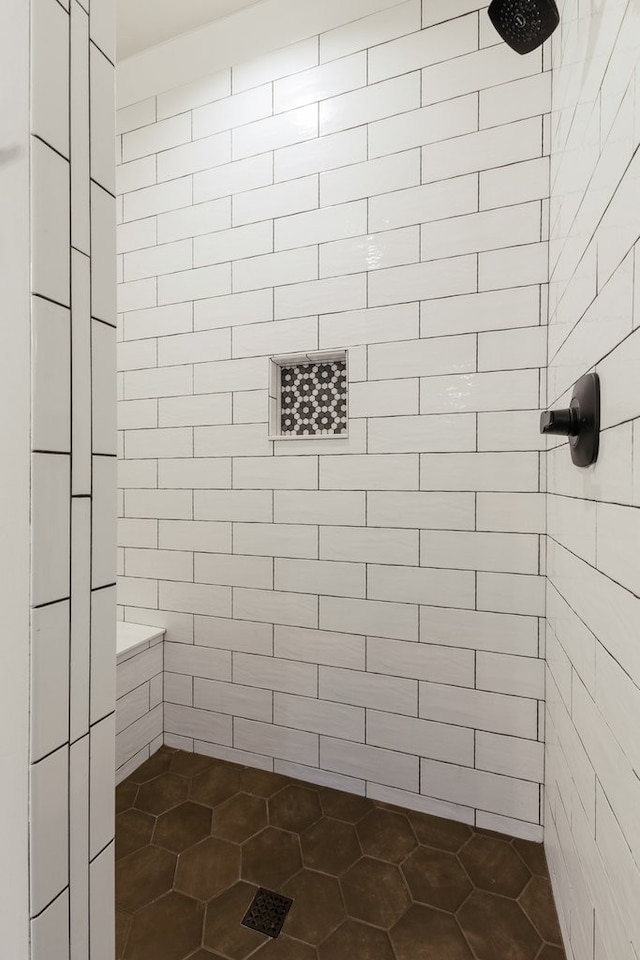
189,764
240,817
330,846
153,767
207,869
183,826
356,941
123,923
375,892
494,866
386,835
533,855
169,929
270,858
317,909
143,876
159,795
223,930
284,948
262,783
133,831
295,808
439,833
551,953
497,927
203,954
436,878
125,795
426,934
349,807
538,904
216,784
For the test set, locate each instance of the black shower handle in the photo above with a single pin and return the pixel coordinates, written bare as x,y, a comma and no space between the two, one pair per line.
562,422
580,421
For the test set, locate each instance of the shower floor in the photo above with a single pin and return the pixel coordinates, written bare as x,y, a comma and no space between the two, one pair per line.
196,838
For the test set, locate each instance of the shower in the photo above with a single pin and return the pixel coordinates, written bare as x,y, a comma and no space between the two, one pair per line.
524,24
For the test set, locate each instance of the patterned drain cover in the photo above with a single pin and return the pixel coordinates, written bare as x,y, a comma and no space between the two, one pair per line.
267,913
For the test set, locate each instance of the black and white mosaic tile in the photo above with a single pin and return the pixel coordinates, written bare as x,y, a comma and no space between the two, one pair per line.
313,399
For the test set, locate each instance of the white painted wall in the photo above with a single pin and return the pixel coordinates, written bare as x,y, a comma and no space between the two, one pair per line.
362,612
593,702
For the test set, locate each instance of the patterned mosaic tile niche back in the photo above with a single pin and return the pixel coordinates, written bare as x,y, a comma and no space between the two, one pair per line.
313,399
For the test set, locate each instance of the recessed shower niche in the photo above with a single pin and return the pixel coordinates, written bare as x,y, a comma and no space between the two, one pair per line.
308,396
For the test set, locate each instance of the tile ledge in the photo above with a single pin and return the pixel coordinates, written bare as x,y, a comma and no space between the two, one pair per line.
131,636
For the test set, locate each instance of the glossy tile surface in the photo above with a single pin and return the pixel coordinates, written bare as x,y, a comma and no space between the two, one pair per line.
196,837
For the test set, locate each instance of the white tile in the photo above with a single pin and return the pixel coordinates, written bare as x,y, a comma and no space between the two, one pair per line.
489,230
248,241
369,31
318,716
443,42
281,540
369,473
420,281
103,527
510,756
194,284
190,348
275,269
102,108
280,200
432,433
133,176
178,688
371,178
136,115
234,699
193,221
390,397
103,255
320,646
51,376
512,349
154,137
274,338
50,264
420,661
156,260
158,321
103,31
159,564
50,931
137,295
233,178
251,406
331,578
192,474
101,892
518,676
433,511
80,616
49,819
320,296
50,74
321,226
370,103
233,505
512,512
192,157
295,126
202,724
375,325
273,473
234,635
234,571
369,617
441,121
103,380
80,130
509,472
243,439
515,183
495,794
190,411
453,588
195,598
494,147
480,391
234,310
476,71
159,199
50,528
49,678
243,108
158,504
101,792
79,848
274,741
197,661
423,204
196,94
500,632
320,154
474,708
372,252
439,741
274,674
511,593
139,669
513,101
280,63
294,609
103,661
160,382
370,763
368,545
319,83
135,354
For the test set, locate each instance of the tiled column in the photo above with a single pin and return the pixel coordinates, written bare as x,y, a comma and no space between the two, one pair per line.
72,480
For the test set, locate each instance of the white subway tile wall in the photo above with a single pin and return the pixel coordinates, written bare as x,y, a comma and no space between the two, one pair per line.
73,489
139,705
347,195
593,678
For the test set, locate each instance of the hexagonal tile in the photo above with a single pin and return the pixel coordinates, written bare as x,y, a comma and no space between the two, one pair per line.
133,831
125,795
143,876
386,835
270,858
223,930
349,807
436,878
216,784
123,922
203,954
295,808
497,927
494,866
207,869
439,833
284,948
330,846
183,826
356,941
317,909
153,767
261,783
169,929
240,817
533,855
375,892
426,933
538,904
551,953
189,764
163,793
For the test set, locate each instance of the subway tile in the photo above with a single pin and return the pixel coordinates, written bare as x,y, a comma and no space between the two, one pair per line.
439,122
233,699
476,70
102,118
272,66
495,472
433,201
273,338
321,226
320,646
50,262
50,666
196,94
275,269
234,111
192,411
512,349
195,598
369,31
368,690
439,278
421,661
101,886
80,622
371,178
158,504
50,528
518,676
510,756
135,354
233,178
438,741
137,295
50,75
372,252
193,474
193,221
161,259
197,661
321,507
80,131
284,676
509,431
371,763
435,44
157,382
103,530
227,634
495,794
192,157
317,716
512,512
244,439
517,182
251,406
370,103
320,83
276,474
393,620
433,511
322,577
158,199
102,763
233,245
320,296
188,348
194,284
483,150
137,533
197,724
491,712
511,593
103,256
489,230
455,432
103,667
455,588
195,536
276,540
249,505
136,115
233,571
369,473
103,362
230,375
369,545
78,849
49,817
321,154
156,137
482,311
480,391
294,126
158,564
280,742
374,325
509,102
384,398
497,632
279,200
51,376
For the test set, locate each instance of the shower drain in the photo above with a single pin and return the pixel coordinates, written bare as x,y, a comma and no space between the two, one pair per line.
267,912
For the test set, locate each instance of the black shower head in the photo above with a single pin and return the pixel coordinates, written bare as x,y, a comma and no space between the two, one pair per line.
524,24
